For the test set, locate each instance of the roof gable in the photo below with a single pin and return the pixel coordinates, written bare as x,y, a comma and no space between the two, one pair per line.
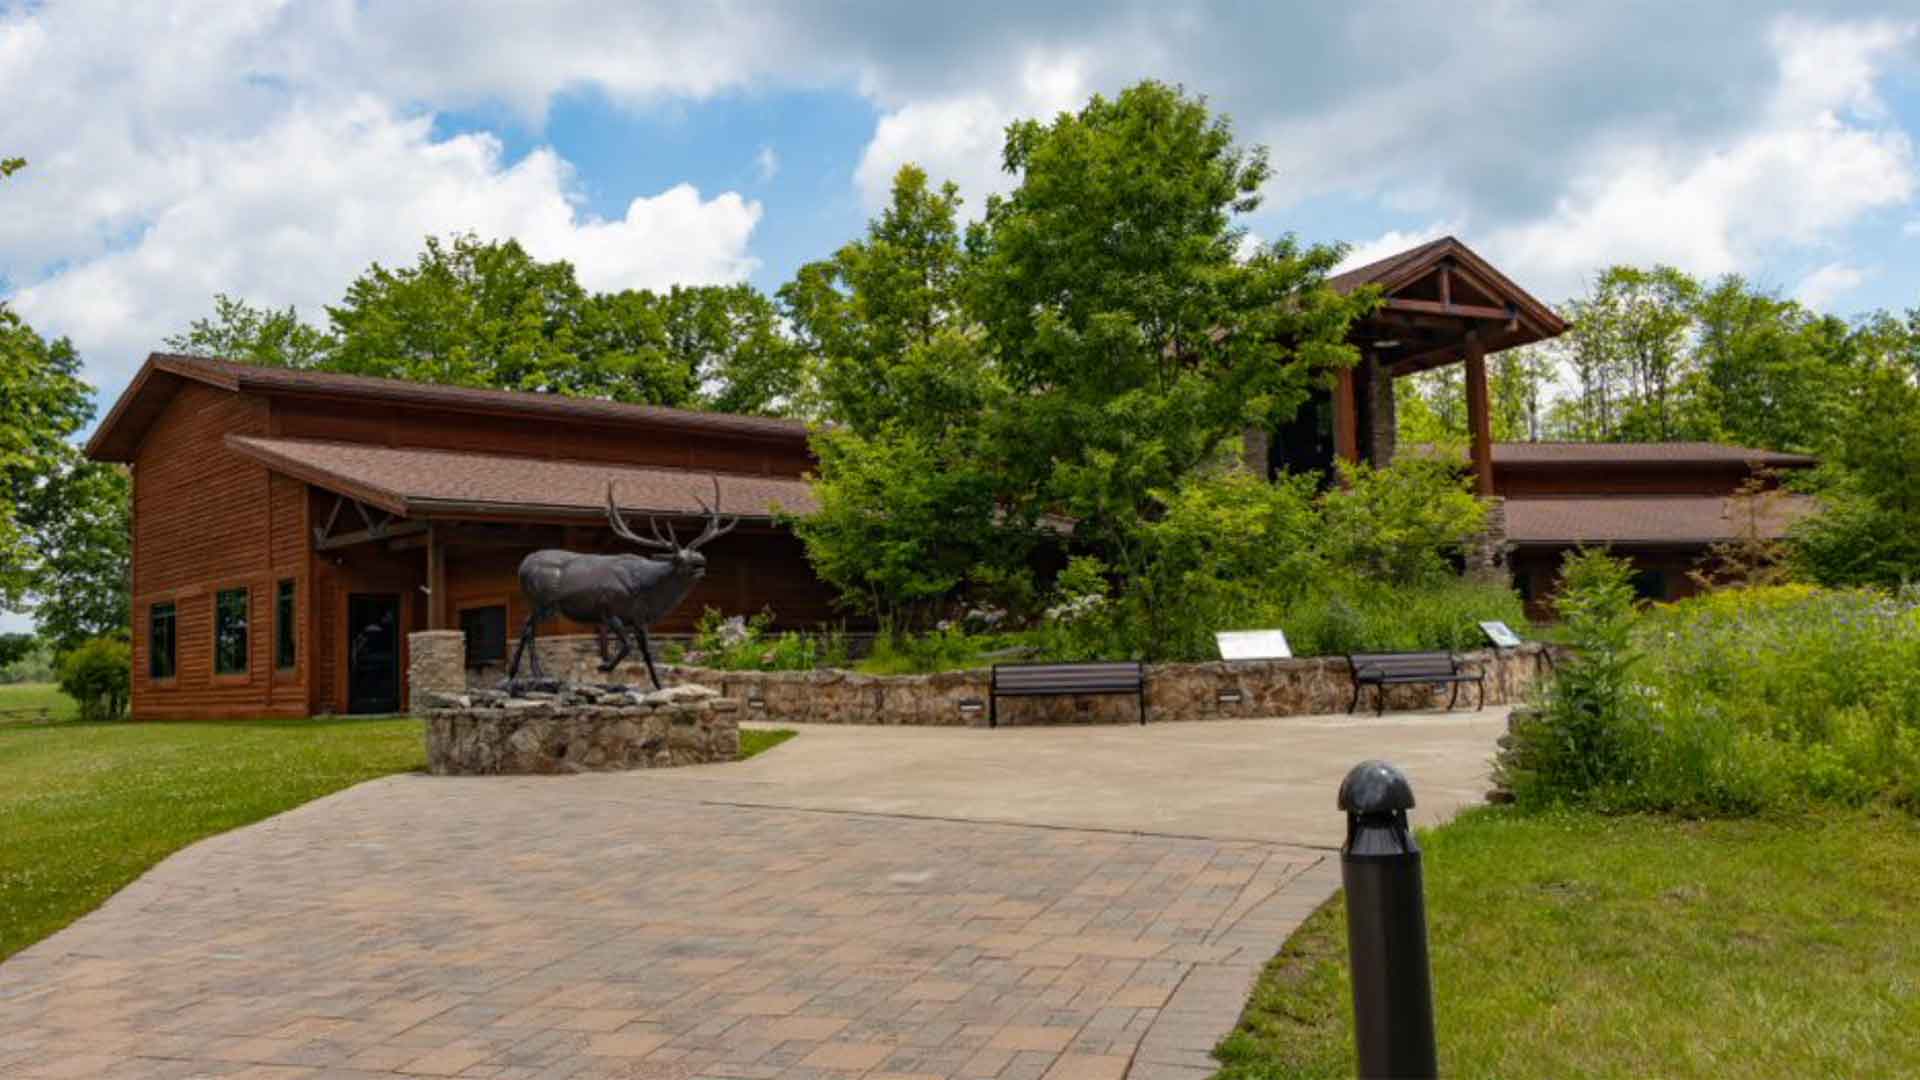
1446,273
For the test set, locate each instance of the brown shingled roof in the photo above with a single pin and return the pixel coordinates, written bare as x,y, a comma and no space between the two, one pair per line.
112,442
1575,453
1648,519
433,483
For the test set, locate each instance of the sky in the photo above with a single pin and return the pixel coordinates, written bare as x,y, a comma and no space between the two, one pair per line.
271,151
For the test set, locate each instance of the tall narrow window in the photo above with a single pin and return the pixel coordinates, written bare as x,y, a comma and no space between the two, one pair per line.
160,651
230,632
285,651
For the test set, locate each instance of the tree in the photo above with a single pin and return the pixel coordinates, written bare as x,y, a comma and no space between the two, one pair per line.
728,340
265,336
885,320
1868,531
63,523
909,488
1627,347
466,313
1134,340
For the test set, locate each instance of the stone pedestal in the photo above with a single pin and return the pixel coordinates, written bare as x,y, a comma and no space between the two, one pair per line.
578,729
436,665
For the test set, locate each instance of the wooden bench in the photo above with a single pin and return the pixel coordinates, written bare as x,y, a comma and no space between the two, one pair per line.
1381,670
1064,680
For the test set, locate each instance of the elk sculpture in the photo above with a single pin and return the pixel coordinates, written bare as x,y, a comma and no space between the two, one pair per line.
616,593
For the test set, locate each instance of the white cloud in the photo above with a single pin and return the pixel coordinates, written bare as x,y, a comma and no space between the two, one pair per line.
766,164
1394,241
1820,288
182,170
291,214
1813,164
959,138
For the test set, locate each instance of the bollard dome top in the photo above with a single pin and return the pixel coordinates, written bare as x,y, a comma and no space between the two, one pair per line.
1375,787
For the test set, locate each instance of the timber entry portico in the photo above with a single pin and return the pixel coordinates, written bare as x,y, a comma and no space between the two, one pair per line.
1442,304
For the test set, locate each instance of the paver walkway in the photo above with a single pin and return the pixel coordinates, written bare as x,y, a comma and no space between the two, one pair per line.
650,925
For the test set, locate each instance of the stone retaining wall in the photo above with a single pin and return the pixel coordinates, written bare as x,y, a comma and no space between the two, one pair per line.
1175,692
579,729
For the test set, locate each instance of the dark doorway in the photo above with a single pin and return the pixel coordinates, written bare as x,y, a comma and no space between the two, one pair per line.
1305,443
373,653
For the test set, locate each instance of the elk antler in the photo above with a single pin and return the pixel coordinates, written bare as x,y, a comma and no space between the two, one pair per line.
714,529
621,529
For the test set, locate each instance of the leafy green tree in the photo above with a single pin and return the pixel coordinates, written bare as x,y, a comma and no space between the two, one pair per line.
1772,373
63,523
909,386
729,341
896,531
1627,347
467,313
16,647
268,337
84,531
9,166
1401,523
1868,531
1133,338
885,320
98,674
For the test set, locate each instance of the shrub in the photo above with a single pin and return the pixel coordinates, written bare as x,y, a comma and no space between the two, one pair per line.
1347,615
98,674
1584,735
740,643
1742,701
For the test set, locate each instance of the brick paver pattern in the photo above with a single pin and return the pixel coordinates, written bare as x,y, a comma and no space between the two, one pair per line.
592,927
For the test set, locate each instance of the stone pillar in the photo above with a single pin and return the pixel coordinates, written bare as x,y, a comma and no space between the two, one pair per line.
1486,555
436,664
1386,421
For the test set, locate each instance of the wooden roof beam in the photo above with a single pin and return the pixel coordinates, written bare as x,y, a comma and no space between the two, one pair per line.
1442,308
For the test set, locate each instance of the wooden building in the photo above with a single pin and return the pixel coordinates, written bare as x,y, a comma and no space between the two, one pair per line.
291,528
1661,506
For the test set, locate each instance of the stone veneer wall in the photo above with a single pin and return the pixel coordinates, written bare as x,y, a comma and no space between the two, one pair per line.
436,664
1383,413
581,729
1175,692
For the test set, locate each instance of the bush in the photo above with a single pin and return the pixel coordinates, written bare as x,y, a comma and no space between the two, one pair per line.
1742,701
1351,615
1585,735
740,643
99,676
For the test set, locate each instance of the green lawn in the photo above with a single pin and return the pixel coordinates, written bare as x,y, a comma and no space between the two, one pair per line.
86,808
33,703
759,741
1576,945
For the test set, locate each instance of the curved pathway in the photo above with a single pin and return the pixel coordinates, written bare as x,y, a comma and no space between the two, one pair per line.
1073,904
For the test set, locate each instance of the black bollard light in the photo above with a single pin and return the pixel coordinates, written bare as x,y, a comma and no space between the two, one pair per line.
1386,926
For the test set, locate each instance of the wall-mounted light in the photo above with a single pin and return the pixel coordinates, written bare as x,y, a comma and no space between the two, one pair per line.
1388,343
1229,697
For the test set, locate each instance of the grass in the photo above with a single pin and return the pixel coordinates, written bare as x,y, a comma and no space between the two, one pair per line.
759,741
30,703
1579,945
86,808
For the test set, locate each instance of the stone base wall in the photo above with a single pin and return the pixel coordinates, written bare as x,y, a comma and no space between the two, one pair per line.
1175,692
579,730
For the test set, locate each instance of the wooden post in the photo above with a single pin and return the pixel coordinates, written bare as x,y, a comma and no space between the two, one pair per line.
1346,418
436,579
1479,414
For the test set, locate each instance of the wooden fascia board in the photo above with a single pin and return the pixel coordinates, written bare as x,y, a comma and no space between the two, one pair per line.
453,510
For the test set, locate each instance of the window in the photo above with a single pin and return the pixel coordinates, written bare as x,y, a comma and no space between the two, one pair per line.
1649,585
486,630
230,632
160,651
285,651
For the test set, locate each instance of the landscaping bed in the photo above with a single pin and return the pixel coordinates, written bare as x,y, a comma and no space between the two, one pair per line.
1573,944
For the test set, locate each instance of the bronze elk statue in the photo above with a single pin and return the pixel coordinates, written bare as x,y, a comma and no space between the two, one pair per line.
618,594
